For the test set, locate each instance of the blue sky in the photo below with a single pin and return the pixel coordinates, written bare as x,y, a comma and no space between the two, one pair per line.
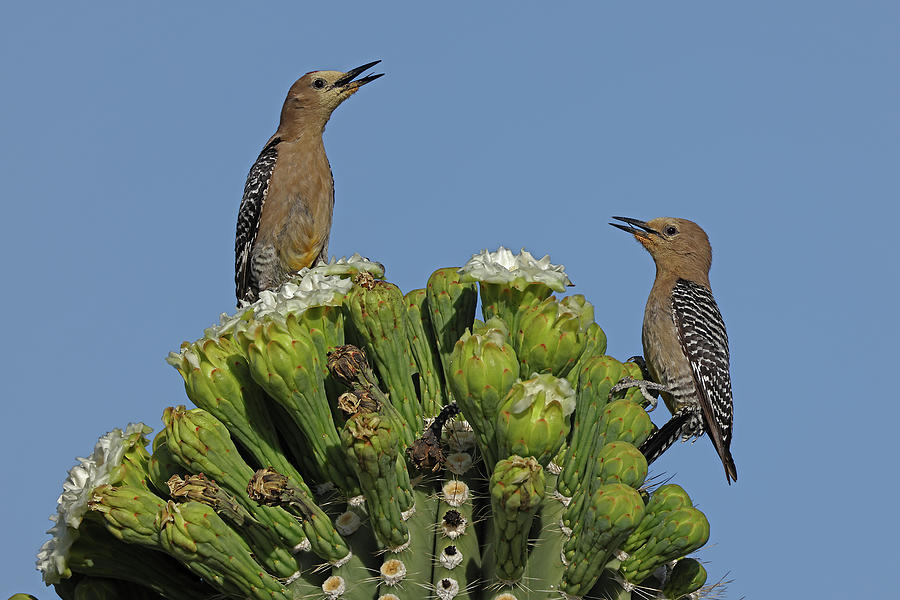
128,130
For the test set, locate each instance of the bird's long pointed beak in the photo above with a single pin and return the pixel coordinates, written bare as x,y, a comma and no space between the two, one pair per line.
635,227
347,79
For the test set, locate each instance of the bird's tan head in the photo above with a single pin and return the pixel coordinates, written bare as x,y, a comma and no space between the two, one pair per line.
676,244
313,97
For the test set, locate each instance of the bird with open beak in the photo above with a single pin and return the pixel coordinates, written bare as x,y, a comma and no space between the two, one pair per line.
684,339
284,221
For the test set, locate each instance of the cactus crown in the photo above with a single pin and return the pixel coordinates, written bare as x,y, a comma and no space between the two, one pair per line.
343,429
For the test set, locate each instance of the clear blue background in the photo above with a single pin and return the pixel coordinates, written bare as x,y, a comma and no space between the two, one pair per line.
128,130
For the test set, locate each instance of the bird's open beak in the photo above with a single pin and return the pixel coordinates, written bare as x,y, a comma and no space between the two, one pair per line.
347,80
635,227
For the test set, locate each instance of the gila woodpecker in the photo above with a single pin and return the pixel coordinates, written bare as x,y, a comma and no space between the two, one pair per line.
684,339
284,220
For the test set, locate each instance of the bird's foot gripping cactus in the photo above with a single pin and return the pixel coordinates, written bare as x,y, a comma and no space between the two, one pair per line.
437,457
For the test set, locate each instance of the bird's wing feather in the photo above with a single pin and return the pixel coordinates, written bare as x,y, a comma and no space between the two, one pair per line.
704,341
255,191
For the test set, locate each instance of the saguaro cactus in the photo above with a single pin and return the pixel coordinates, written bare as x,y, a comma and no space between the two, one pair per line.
438,457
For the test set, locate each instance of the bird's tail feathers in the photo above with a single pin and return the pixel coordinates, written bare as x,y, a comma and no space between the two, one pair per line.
661,439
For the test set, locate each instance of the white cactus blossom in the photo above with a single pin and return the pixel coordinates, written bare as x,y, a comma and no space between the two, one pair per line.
346,266
72,504
310,289
553,389
52,558
504,267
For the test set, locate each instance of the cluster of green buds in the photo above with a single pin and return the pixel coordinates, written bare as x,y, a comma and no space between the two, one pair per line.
350,441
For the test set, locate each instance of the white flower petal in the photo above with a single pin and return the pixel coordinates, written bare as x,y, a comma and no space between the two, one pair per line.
504,267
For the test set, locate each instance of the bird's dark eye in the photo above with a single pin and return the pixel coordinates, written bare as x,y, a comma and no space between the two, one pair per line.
671,230
319,83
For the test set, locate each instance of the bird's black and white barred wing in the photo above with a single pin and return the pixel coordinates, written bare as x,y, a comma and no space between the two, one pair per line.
701,332
255,191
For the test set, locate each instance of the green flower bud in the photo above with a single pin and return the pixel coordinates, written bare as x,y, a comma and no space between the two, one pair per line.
598,375
595,346
286,365
451,306
664,500
687,576
680,532
372,444
552,335
613,511
534,418
201,444
620,462
378,313
483,368
422,343
517,490
624,421
217,379
198,537
129,513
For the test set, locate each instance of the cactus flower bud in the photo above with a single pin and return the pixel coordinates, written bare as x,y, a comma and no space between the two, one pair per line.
687,576
552,335
517,490
612,512
420,332
620,462
451,305
512,282
534,418
200,539
379,317
680,532
483,368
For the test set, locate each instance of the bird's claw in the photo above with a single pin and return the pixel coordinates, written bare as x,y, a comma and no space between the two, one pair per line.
623,384
630,382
